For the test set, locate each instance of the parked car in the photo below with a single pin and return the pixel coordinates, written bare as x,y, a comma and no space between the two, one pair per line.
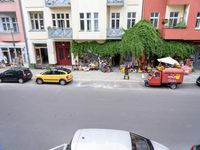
16,74
198,81
195,147
61,76
107,139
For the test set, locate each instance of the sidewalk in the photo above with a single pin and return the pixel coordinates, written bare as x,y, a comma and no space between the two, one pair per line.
115,76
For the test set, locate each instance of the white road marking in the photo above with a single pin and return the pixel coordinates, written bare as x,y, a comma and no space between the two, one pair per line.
57,147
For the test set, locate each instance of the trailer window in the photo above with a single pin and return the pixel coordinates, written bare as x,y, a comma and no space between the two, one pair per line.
157,74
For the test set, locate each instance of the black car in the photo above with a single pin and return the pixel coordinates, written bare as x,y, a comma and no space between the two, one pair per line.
16,74
195,147
198,81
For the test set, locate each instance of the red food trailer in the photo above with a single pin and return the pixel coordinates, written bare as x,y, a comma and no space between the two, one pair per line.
169,76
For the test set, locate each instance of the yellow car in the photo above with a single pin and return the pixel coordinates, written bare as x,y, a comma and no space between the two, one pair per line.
61,76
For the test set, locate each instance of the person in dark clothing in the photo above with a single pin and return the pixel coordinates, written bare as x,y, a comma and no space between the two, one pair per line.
126,72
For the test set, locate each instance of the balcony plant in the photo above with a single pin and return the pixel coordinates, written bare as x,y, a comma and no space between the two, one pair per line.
181,25
165,21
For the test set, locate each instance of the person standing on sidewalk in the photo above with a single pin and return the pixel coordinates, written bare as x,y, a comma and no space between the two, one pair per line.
126,72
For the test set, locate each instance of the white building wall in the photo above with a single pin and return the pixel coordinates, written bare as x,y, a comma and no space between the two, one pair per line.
129,6
89,6
77,7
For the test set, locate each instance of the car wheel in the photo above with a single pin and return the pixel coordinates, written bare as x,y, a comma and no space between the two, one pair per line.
39,81
20,80
62,82
173,85
1,80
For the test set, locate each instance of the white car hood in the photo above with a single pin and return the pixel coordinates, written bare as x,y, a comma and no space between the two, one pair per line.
158,146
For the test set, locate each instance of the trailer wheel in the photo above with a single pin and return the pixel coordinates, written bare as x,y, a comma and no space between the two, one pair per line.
173,85
146,84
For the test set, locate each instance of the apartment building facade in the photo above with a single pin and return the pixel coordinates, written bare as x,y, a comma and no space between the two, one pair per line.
12,41
177,20
52,25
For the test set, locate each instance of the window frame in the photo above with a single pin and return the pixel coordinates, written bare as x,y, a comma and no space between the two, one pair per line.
197,25
89,21
132,19
60,22
82,21
36,20
153,18
7,24
96,21
173,18
116,20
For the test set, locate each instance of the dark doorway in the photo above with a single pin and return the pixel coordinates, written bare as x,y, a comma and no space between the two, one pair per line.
116,60
41,54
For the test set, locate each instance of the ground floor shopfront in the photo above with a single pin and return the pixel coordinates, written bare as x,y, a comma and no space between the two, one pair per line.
13,54
51,52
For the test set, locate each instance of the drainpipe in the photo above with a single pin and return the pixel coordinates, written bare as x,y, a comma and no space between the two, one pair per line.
143,3
25,36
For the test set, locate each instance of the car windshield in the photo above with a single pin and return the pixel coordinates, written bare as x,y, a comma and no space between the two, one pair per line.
139,143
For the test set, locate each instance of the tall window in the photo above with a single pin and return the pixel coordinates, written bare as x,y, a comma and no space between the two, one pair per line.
131,19
173,19
82,26
15,25
89,22
154,19
8,23
96,21
37,20
60,20
115,20
198,21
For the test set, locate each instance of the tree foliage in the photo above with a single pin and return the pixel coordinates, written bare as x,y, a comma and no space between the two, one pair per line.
144,38
106,49
141,39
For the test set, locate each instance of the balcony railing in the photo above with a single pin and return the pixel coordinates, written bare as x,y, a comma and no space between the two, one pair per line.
115,2
114,33
65,33
58,3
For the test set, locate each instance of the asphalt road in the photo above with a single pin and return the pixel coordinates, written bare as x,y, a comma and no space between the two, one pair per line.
40,117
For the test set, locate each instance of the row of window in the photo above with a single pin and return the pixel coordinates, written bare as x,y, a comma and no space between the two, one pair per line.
173,19
88,21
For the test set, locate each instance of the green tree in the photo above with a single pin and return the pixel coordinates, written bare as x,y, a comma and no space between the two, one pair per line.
143,38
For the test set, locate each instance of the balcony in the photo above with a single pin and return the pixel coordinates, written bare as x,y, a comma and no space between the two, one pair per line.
114,33
58,3
178,2
61,33
115,2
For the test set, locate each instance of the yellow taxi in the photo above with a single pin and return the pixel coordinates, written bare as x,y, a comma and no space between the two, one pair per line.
61,76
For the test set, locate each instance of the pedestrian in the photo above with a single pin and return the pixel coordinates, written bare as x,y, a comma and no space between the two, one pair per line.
126,72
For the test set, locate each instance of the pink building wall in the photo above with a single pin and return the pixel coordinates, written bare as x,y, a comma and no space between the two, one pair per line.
13,7
189,33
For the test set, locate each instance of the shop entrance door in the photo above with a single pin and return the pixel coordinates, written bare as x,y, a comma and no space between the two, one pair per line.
41,54
63,53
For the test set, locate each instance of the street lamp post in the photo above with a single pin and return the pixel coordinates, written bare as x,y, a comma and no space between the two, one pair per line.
13,40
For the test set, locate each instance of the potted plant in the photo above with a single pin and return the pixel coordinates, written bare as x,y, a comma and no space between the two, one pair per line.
164,21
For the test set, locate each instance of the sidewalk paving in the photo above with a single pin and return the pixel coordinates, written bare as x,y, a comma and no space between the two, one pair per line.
115,76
